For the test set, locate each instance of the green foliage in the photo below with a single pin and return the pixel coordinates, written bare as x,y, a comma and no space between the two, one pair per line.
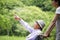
7,21
10,4
4,21
46,5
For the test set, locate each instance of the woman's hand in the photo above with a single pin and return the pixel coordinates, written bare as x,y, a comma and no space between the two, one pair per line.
17,17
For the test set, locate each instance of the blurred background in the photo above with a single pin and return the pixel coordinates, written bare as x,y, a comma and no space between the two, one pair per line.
28,10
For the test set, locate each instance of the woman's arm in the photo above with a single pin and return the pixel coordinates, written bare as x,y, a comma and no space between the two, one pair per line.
51,26
25,24
34,35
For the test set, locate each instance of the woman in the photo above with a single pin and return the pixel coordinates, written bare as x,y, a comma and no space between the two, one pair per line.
56,20
34,32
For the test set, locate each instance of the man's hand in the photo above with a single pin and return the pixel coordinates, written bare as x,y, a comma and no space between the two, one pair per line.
17,17
45,36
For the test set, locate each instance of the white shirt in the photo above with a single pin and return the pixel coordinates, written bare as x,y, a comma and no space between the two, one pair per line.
33,33
58,10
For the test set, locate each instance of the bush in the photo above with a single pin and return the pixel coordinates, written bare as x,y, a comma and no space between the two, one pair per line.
45,5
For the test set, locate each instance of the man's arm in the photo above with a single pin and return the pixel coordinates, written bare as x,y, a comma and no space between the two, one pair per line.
51,26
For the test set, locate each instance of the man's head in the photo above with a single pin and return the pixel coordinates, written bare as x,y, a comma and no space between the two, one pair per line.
39,24
56,3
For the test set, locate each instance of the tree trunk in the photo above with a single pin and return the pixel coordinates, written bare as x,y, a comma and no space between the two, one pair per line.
7,32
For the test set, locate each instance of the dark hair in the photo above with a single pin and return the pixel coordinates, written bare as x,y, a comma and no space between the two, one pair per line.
58,1
39,25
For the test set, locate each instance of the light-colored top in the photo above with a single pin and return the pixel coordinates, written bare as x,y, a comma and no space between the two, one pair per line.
58,10
33,33
58,25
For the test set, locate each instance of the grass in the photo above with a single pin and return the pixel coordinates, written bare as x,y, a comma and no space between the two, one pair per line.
11,38
19,38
